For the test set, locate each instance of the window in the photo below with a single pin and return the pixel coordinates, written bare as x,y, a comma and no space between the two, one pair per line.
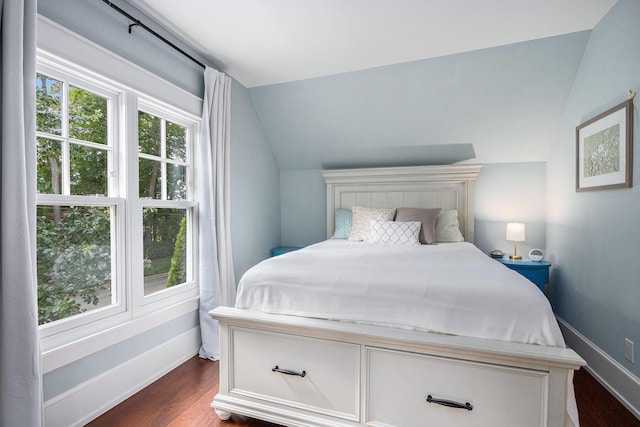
116,214
164,172
77,204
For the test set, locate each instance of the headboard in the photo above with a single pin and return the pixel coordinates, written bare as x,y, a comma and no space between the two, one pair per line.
446,187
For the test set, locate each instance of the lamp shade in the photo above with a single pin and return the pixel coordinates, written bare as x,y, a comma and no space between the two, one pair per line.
515,231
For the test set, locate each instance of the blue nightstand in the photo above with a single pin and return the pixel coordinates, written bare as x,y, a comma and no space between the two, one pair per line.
283,250
536,271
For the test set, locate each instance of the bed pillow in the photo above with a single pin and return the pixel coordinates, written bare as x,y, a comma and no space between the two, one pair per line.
426,216
343,223
448,227
361,222
395,233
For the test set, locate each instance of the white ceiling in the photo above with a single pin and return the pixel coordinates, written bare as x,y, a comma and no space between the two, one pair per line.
262,42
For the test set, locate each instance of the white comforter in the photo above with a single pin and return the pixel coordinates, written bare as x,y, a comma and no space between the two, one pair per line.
450,288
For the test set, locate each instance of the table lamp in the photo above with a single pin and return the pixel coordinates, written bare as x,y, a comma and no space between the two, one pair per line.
515,232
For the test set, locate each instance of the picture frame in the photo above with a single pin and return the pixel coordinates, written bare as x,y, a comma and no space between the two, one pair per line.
604,149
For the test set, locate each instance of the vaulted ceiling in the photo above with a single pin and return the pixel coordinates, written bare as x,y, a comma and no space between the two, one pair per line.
262,42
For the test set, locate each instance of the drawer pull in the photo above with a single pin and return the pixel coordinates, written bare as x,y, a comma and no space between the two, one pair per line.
289,372
450,403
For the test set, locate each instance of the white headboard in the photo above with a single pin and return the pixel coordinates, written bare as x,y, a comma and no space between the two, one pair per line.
445,187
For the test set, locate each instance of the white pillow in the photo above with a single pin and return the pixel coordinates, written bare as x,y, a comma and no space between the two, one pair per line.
448,228
395,233
361,222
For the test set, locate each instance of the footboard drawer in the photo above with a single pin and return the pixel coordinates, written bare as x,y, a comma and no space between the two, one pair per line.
462,393
308,373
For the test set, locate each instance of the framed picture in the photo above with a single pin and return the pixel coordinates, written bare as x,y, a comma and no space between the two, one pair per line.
604,149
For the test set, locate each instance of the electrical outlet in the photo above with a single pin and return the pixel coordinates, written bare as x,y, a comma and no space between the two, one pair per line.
628,350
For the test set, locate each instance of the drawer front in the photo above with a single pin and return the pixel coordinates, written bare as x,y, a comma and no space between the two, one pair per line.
399,384
538,276
331,381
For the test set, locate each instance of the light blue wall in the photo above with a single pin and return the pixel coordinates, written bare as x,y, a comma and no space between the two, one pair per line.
593,237
255,200
492,106
511,192
304,206
498,105
255,186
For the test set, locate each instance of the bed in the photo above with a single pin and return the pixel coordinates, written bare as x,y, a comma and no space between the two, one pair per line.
459,340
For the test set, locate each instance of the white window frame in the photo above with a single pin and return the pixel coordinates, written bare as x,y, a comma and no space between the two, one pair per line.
74,327
149,303
72,338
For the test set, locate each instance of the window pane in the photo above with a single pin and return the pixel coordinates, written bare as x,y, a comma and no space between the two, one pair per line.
88,170
150,182
74,260
48,105
176,181
165,248
149,134
176,142
49,164
87,116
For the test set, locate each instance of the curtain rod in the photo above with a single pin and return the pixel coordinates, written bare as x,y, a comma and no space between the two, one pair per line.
137,23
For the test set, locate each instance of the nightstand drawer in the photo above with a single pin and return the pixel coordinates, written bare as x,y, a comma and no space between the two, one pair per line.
539,276
535,271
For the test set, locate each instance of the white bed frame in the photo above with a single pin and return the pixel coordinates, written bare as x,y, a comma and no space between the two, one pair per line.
310,372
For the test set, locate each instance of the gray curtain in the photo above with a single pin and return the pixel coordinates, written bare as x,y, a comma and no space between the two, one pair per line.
217,281
21,389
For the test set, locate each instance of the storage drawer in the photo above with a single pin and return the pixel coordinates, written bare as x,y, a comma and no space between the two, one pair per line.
331,370
399,383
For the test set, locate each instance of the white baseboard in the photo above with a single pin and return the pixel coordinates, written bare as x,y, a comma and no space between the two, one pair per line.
620,382
89,400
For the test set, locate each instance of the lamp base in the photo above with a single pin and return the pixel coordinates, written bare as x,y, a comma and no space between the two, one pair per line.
516,257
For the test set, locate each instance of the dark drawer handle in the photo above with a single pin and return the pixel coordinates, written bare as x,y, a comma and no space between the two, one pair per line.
289,372
450,403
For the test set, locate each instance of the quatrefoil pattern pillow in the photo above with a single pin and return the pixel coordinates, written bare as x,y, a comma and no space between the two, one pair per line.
395,233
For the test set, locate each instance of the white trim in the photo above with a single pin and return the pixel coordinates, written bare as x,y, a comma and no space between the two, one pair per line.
85,402
155,107
620,382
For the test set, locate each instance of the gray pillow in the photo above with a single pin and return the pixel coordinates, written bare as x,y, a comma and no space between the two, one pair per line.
426,216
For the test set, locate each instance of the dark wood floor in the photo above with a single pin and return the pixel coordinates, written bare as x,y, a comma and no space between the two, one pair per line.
182,398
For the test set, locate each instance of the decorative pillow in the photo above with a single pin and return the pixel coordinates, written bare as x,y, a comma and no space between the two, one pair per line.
426,216
343,223
395,233
361,223
448,228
